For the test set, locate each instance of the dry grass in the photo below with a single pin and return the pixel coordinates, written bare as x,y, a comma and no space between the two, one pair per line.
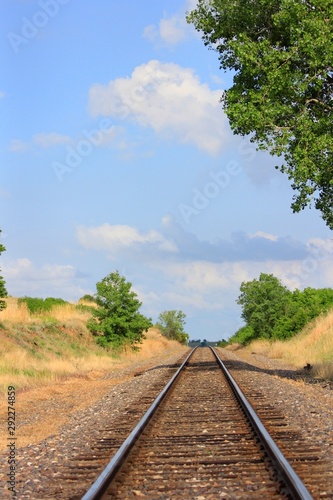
154,344
35,351
18,313
15,313
313,345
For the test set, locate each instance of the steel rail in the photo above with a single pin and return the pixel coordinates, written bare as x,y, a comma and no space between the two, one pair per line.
291,479
101,484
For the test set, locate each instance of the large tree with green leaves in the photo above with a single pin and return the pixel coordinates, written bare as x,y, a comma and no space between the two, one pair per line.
171,325
281,54
264,302
271,311
3,291
117,321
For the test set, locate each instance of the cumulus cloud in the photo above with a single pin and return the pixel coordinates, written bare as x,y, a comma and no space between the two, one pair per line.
176,242
169,99
43,140
199,275
103,134
215,286
202,275
239,247
118,238
23,277
262,234
172,29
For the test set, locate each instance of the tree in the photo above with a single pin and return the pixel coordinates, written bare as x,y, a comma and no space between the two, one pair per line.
171,325
117,321
281,53
263,302
3,291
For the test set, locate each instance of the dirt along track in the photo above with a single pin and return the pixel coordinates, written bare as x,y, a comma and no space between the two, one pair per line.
298,415
200,445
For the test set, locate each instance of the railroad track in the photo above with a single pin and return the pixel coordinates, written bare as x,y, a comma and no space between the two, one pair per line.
198,442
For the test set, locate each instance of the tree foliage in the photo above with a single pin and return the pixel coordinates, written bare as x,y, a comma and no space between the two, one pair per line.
271,311
263,302
171,325
117,321
3,291
281,53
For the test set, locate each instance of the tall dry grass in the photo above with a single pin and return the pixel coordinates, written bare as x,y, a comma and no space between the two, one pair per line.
15,313
313,345
19,313
45,348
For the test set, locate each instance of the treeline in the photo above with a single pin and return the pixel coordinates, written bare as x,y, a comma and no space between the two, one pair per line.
272,311
206,343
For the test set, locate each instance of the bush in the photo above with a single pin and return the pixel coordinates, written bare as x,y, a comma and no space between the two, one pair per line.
87,298
37,306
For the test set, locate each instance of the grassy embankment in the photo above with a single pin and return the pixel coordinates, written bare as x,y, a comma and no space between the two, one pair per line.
40,349
313,345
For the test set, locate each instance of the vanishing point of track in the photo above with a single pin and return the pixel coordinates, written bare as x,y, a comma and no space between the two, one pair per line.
197,441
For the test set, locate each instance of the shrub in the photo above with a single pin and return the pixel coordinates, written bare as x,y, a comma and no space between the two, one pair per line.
37,306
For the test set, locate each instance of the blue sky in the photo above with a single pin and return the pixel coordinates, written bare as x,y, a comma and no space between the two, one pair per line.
116,155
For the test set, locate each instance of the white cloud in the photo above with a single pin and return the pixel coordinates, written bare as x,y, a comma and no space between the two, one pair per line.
23,277
199,275
216,285
170,31
194,300
320,247
43,140
2,94
51,139
169,99
262,234
118,238
173,29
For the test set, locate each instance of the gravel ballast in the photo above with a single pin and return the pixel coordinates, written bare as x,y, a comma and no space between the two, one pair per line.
304,402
